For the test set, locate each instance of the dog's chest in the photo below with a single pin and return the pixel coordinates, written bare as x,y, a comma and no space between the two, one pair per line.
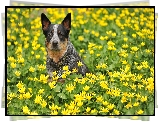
56,55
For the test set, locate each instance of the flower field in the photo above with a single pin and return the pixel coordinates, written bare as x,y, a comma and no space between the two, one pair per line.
117,44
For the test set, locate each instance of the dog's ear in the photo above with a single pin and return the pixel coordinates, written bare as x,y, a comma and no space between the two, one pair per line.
45,22
67,22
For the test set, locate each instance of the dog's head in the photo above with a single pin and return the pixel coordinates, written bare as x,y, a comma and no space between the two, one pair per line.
56,34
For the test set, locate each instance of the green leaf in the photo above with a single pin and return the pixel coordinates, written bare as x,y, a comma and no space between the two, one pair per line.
62,95
151,108
57,88
8,89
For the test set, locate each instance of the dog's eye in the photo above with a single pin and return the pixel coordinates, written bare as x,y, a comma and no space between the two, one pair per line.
50,34
60,33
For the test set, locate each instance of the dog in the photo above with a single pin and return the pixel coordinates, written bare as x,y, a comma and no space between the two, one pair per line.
60,50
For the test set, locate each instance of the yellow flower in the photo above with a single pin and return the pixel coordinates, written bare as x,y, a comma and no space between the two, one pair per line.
26,45
11,59
64,75
125,39
140,111
26,110
66,112
134,48
38,99
125,46
104,84
105,103
133,87
43,78
145,64
13,65
31,69
111,106
88,96
142,43
70,87
101,77
140,86
82,51
139,67
65,68
8,43
80,103
129,105
79,63
81,38
20,96
86,88
43,103
91,52
148,51
143,98
33,113
54,112
136,104
110,43
104,110
37,56
8,80
21,60
93,111
52,84
41,91
124,62
30,90
123,99
134,35
54,107
86,31
103,66
54,73
32,52
98,66
96,34
74,70
72,105
114,34
19,50
125,83
116,112
98,55
100,47
22,90
17,10
49,97
17,73
27,95
99,99
124,33
102,38
88,109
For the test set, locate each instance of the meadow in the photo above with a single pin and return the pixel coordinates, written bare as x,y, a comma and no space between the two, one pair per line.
117,44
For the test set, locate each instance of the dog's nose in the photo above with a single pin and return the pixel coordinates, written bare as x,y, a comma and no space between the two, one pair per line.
55,43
